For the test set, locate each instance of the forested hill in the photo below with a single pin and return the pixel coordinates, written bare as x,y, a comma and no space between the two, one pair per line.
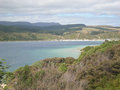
20,31
52,28
97,68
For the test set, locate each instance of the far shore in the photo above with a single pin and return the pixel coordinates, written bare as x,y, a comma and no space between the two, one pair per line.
55,40
61,40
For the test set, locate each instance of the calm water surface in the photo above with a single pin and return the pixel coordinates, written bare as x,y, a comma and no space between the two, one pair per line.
23,53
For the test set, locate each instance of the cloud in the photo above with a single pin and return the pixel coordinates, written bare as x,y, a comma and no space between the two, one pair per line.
59,10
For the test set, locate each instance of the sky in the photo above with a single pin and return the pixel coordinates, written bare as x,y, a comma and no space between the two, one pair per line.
89,12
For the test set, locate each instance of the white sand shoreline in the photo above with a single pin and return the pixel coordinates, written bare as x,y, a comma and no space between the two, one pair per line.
80,40
53,40
63,40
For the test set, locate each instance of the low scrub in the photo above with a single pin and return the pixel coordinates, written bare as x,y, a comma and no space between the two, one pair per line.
62,67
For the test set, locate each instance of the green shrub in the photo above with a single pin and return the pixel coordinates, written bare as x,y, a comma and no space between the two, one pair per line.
24,75
6,88
84,52
3,68
93,49
8,77
38,63
62,67
40,74
107,84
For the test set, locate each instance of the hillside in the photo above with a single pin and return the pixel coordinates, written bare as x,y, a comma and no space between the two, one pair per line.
95,32
25,27
97,68
20,31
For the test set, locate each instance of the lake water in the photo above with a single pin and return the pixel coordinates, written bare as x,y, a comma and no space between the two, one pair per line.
18,54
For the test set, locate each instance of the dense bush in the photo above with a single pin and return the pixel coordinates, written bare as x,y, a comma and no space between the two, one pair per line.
105,83
8,77
24,75
40,74
62,67
38,64
93,49
3,68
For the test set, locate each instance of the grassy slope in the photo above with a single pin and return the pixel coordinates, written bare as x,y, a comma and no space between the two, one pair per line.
11,33
27,36
97,68
94,33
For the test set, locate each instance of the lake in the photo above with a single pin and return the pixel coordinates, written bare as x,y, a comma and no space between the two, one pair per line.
22,53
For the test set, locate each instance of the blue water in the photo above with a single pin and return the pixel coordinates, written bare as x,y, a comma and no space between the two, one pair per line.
23,53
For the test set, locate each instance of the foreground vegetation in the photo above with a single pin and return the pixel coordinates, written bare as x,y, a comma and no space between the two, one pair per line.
3,70
97,68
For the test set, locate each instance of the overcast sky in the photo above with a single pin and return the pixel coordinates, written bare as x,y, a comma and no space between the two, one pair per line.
90,12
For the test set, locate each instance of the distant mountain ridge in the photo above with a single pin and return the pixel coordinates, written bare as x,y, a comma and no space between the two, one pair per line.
41,24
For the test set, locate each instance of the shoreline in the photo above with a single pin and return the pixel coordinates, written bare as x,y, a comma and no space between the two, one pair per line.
58,40
61,40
